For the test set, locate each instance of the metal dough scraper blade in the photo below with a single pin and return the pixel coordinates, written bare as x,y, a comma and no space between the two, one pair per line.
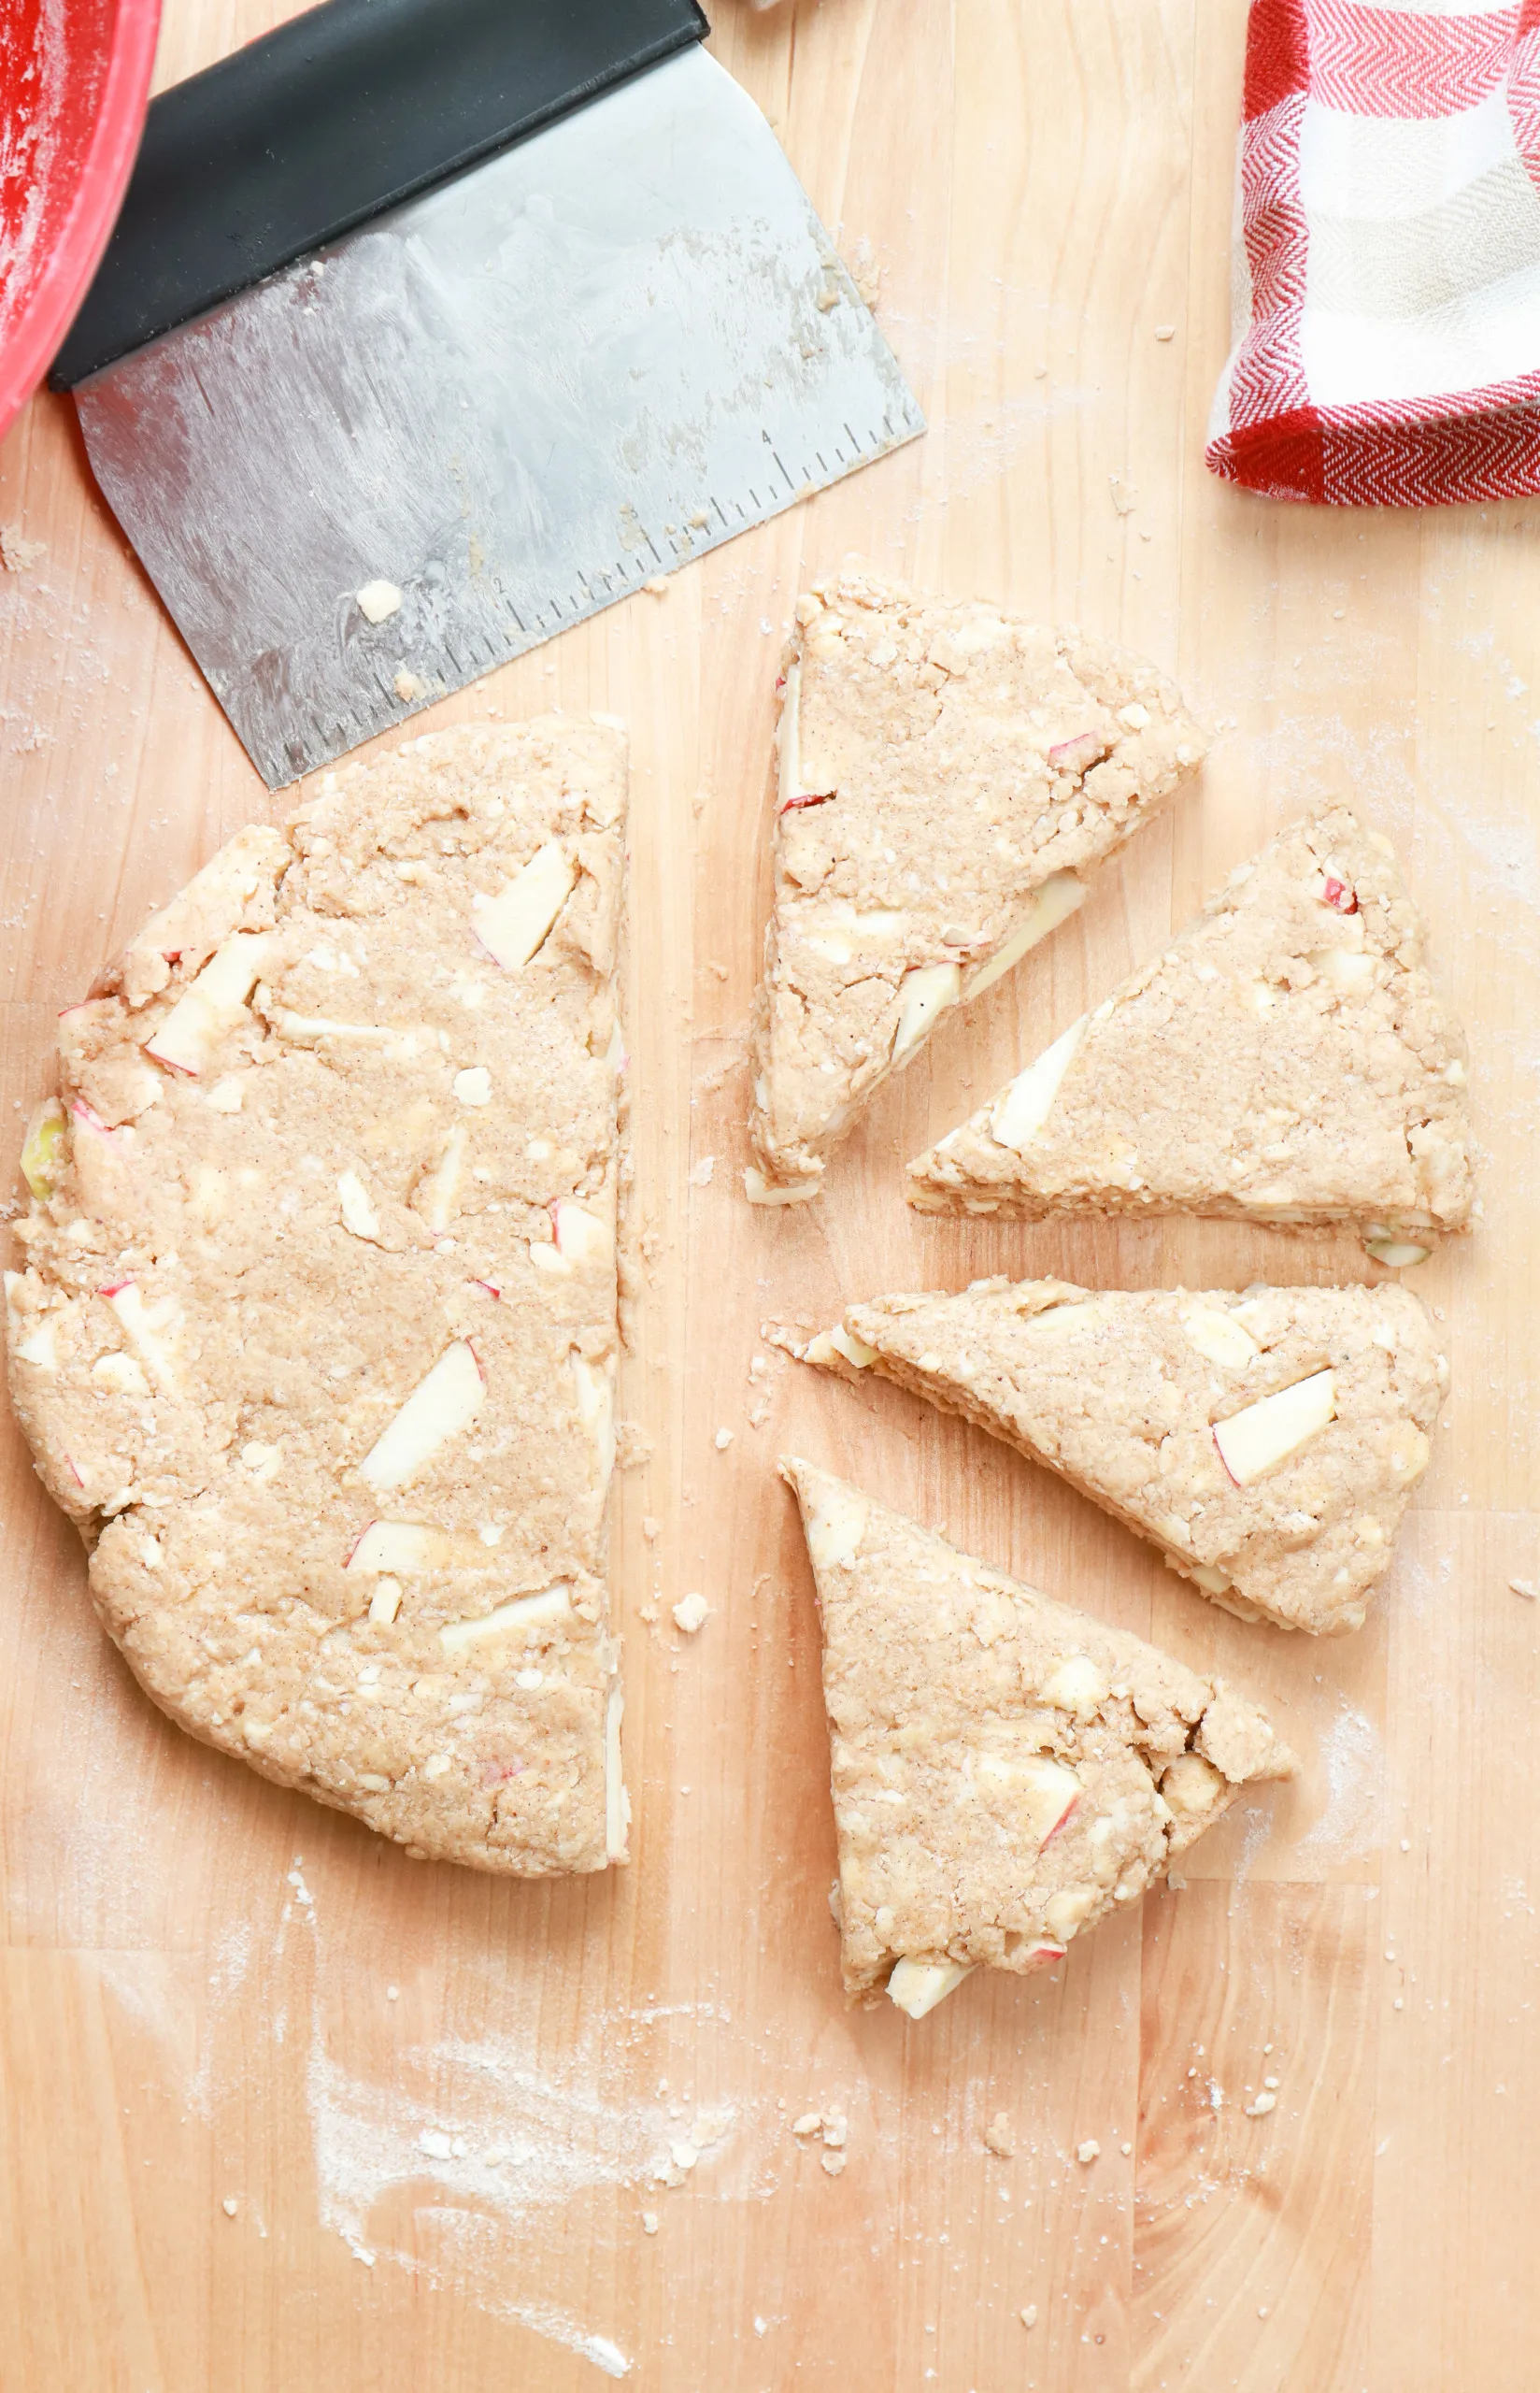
493,406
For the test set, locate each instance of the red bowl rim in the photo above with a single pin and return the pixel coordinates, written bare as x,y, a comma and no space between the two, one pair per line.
103,176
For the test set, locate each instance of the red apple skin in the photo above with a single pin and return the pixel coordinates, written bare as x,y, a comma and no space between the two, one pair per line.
72,1473
1043,1957
91,1120
1337,894
1061,1822
183,1071
823,797
492,1290
347,1558
1223,1465
1079,753
116,1288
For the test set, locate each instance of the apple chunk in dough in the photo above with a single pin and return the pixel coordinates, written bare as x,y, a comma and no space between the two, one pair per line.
1276,1427
439,1407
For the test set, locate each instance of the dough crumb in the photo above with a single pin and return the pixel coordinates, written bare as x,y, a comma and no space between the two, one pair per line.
723,1440
866,273
650,2222
1165,332
1262,2104
1526,1588
700,1176
378,601
1086,2153
832,2163
809,2123
18,555
229,2205
1029,2315
408,687
657,587
998,2137
689,1613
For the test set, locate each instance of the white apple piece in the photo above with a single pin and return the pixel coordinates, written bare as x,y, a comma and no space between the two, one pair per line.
1045,1791
1020,1112
38,1346
514,926
830,1343
472,1087
141,1331
835,1525
1192,1786
917,1986
378,601
1219,1338
543,1611
1349,969
1077,1685
385,1602
924,994
1396,1254
320,1025
617,1802
440,1406
358,1215
46,1149
437,1192
580,1237
758,1190
408,1547
1061,894
595,1396
1253,1442
211,1006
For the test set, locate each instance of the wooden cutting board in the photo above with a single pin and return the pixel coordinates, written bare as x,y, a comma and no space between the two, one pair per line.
281,2109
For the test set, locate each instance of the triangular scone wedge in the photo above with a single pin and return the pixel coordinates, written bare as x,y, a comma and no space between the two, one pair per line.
1289,1059
317,1339
1005,1771
1268,1442
949,775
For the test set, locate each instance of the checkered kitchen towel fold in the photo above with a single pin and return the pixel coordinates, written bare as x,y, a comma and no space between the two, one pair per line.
1387,255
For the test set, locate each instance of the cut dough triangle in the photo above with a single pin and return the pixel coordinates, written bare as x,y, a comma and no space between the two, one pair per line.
317,1339
1289,1059
1005,1771
1266,1444
948,776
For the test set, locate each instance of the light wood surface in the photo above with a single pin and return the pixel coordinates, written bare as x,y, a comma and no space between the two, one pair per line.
434,2100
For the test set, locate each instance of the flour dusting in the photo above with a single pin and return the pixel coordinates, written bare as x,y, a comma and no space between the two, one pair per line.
1355,1820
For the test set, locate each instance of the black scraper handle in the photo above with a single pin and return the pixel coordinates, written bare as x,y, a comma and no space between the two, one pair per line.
336,116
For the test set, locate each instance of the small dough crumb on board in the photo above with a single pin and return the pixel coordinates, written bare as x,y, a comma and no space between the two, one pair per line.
317,1336
1267,1443
1004,1769
1286,1060
948,775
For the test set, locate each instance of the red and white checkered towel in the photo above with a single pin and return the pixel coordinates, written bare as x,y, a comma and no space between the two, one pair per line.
1387,256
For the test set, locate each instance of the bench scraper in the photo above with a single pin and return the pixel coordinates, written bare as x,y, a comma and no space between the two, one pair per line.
489,310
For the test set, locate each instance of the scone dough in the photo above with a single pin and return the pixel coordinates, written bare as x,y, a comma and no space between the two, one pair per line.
317,1335
948,776
1268,1442
1289,1059
1005,1771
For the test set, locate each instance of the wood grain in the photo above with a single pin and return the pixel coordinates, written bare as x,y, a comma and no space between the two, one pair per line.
435,2103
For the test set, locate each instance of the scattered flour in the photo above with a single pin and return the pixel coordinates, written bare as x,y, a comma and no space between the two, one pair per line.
1355,1822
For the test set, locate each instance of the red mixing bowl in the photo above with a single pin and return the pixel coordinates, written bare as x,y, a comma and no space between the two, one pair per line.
74,77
